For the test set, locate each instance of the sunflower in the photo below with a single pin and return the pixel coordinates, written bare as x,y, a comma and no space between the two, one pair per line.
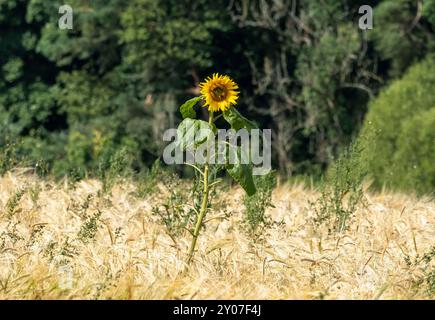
219,92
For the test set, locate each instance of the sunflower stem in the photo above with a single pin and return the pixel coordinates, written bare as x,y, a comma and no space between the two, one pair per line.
204,204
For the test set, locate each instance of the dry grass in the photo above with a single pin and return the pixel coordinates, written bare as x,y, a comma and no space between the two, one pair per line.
132,257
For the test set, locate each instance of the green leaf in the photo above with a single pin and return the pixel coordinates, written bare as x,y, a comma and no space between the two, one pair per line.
242,173
191,133
237,121
187,108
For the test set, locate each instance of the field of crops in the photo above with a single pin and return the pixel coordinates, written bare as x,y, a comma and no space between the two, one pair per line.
70,241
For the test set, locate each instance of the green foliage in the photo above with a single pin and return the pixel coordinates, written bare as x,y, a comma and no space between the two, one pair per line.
322,84
89,228
237,121
313,80
414,160
256,205
14,201
241,172
173,213
117,166
404,32
425,264
170,38
429,11
430,281
60,94
187,110
402,154
192,133
342,190
148,179
73,98
10,234
8,155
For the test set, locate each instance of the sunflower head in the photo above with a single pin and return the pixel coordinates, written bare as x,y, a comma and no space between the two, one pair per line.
219,92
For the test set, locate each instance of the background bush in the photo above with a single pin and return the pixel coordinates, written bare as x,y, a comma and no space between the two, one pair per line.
415,156
403,119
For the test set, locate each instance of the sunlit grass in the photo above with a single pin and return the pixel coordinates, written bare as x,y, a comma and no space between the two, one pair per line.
114,247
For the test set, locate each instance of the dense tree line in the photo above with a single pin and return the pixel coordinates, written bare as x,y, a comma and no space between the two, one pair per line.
73,99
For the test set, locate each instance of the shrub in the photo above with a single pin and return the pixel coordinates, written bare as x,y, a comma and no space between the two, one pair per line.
415,155
8,155
395,36
117,166
148,179
424,262
256,205
342,190
89,228
401,155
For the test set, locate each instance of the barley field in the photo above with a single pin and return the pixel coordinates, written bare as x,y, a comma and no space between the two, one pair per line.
69,241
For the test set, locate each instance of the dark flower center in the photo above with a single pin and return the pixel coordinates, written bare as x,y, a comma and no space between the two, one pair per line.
219,93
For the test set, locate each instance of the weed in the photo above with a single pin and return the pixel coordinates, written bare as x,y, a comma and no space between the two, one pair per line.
42,168
89,228
85,205
341,191
13,202
430,281
256,205
8,155
424,262
173,212
49,250
116,167
67,249
74,175
10,234
148,180
81,208
36,232
118,234
34,194
108,282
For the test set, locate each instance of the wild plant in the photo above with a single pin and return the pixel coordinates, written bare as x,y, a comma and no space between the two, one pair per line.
10,235
81,208
8,155
148,179
341,191
67,249
425,263
14,201
89,227
256,205
219,95
173,212
34,194
116,167
37,231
